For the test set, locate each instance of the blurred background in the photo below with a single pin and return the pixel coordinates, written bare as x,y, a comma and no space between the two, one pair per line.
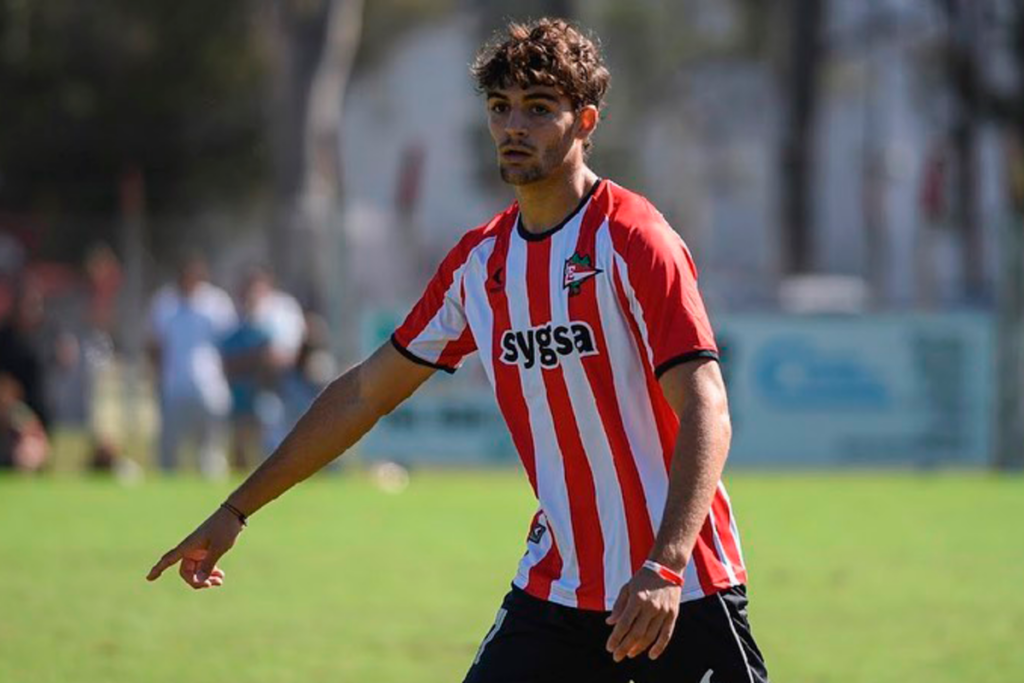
849,175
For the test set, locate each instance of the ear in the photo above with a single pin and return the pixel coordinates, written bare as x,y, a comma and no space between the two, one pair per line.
587,120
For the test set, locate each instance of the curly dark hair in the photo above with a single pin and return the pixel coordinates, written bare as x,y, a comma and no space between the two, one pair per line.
551,52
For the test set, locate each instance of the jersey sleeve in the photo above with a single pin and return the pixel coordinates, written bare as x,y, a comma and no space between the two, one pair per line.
436,333
662,288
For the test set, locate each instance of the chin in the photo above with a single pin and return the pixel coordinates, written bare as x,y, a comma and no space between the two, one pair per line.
521,176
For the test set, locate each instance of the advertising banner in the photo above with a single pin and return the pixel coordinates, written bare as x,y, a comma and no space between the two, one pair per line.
914,389
804,391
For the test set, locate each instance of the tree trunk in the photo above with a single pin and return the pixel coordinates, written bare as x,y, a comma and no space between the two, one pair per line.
1009,449
798,147
961,16
320,193
312,48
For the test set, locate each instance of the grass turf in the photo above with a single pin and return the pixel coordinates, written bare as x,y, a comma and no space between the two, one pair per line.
880,578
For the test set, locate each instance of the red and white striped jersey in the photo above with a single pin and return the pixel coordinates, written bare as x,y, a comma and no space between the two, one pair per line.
574,326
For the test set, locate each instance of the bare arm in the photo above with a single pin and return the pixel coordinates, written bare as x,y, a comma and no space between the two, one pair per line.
646,609
338,418
697,393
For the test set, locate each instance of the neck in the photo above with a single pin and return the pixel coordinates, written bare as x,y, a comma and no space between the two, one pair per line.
545,203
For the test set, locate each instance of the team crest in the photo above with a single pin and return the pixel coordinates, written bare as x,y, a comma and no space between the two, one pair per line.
578,269
537,532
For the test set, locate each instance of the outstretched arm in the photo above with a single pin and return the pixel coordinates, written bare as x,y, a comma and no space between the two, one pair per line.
646,609
338,418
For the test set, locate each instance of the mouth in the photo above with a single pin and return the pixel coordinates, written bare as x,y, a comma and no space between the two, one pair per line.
515,153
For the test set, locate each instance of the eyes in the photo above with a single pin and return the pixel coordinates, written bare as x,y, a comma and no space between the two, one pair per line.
534,109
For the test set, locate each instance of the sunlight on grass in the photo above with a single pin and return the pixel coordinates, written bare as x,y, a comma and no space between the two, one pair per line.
853,578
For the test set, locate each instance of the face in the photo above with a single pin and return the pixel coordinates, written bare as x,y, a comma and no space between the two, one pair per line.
190,275
256,288
536,132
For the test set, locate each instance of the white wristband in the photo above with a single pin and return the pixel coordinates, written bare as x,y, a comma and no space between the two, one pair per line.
675,578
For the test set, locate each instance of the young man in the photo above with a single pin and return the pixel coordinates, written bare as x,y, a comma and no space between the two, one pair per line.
583,305
187,320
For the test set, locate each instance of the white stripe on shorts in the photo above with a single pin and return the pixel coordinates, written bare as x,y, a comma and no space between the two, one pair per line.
490,634
739,643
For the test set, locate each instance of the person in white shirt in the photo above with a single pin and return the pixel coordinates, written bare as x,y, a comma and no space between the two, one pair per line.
258,355
187,320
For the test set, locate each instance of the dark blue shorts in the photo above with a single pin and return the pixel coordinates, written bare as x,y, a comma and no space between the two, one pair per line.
536,641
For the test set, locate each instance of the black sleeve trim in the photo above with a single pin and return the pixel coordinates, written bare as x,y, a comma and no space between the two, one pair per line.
416,359
684,358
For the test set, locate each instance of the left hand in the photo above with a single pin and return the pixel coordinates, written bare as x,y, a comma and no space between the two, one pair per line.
644,613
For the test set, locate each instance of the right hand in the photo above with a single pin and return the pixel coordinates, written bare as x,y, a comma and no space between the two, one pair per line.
199,552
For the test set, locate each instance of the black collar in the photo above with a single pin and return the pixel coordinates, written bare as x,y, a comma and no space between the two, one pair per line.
537,236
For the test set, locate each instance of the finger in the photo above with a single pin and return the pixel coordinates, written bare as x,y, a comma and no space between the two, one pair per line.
632,639
620,605
189,569
208,564
187,572
664,638
209,583
623,626
645,634
169,558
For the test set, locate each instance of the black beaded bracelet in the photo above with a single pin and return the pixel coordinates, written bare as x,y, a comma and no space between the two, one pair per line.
236,512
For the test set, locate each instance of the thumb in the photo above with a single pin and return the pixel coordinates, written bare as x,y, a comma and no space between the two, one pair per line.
206,565
620,606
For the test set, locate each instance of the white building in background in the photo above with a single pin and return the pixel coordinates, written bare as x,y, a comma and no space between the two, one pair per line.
416,108
708,160
885,115
706,153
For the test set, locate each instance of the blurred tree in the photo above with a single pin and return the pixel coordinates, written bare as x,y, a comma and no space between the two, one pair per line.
313,45
977,98
297,43
801,85
385,22
94,89
962,65
1007,107
977,30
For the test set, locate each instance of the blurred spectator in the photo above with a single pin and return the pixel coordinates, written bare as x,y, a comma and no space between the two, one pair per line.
21,355
83,350
314,368
23,442
187,321
247,362
278,317
103,278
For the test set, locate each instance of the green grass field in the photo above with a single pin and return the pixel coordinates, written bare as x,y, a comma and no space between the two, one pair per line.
887,578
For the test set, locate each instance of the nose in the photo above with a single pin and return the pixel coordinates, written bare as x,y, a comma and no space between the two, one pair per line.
515,124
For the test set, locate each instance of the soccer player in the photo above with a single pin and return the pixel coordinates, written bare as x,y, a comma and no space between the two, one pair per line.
582,303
